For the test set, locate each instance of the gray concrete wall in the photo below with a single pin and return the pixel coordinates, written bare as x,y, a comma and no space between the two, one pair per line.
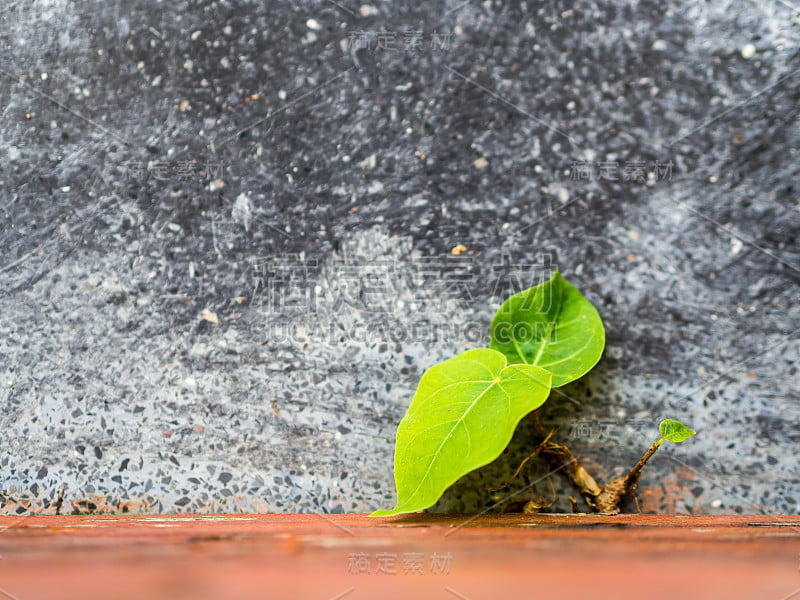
227,234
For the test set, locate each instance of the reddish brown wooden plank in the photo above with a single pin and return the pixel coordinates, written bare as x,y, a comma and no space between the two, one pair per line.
310,556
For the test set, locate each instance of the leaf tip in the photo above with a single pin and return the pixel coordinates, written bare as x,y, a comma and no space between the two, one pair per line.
386,513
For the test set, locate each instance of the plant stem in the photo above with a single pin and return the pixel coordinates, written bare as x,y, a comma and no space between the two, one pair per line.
636,472
614,492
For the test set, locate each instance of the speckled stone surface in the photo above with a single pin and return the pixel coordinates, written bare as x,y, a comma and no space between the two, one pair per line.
228,230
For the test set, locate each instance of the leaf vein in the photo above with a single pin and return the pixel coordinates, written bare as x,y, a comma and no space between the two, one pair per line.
438,450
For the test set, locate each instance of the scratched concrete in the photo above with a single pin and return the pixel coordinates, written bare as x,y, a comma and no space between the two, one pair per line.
228,231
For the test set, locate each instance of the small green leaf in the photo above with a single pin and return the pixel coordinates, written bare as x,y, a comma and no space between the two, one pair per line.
674,431
552,326
462,417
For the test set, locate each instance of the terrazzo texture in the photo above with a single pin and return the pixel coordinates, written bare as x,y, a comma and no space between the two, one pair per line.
227,234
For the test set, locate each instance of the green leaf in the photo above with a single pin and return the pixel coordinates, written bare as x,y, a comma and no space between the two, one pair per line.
674,431
552,326
462,417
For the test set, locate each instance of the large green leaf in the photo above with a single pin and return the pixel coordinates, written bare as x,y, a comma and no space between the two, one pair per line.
462,417
552,326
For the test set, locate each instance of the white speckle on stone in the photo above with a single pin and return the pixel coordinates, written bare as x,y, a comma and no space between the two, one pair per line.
199,349
156,81
313,24
66,188
13,153
281,94
736,246
210,316
43,76
309,38
242,210
369,163
173,227
227,30
716,503
559,192
748,51
659,45
367,10
216,185
196,34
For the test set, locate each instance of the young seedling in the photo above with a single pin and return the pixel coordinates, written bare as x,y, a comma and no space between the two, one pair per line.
466,409
610,499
